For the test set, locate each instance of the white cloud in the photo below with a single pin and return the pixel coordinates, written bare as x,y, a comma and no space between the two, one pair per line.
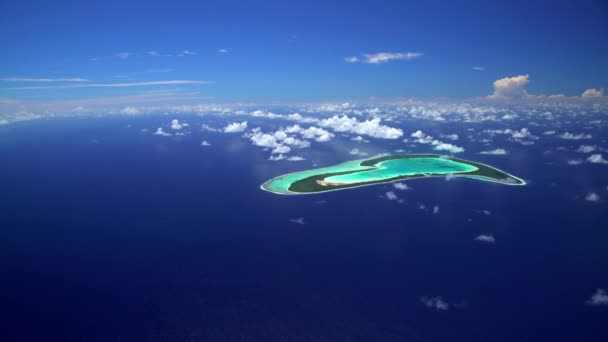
510,87
205,143
496,152
439,146
401,186
418,134
130,111
452,137
435,303
112,85
295,158
478,68
435,210
593,93
575,162
312,132
356,152
281,149
586,148
176,125
205,127
360,139
597,159
280,142
383,57
235,127
160,132
572,136
222,51
592,197
390,195
297,221
372,127
486,238
599,298
25,79
523,133
277,157
123,55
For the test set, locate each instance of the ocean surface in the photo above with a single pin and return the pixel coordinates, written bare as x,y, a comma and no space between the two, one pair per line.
112,234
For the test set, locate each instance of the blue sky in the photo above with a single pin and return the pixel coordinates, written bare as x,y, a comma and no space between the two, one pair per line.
282,51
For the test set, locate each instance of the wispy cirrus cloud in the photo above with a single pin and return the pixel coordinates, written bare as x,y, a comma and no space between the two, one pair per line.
112,85
383,57
123,55
27,79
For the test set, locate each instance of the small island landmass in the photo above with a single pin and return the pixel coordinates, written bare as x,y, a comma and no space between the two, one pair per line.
384,169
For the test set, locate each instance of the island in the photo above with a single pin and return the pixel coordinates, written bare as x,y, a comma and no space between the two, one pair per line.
384,169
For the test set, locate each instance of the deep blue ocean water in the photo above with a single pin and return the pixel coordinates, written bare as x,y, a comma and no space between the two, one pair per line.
113,234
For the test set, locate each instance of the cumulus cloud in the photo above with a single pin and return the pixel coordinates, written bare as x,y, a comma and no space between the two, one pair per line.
572,136
295,158
383,57
160,132
593,93
401,186
486,238
421,137
496,152
418,134
372,128
277,157
235,127
312,132
205,143
435,210
599,298
586,148
439,146
452,137
279,141
175,125
356,152
575,162
510,87
130,111
435,303
359,139
281,149
516,135
592,197
390,195
597,159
